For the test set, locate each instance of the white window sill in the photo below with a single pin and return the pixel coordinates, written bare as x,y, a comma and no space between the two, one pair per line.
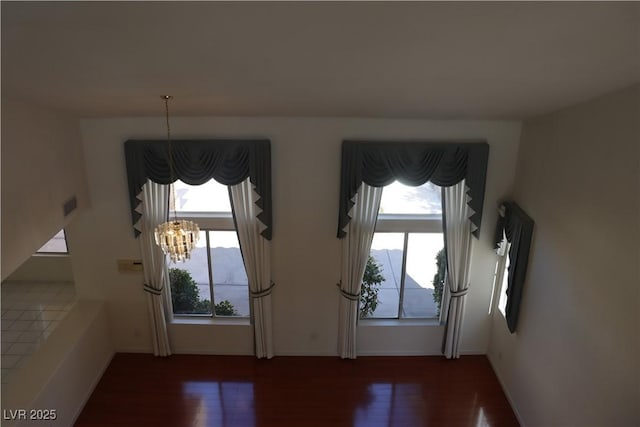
242,321
399,322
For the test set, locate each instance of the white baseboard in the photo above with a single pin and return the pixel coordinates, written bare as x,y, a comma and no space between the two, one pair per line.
105,364
294,353
134,350
209,352
304,354
415,353
143,350
507,394
396,353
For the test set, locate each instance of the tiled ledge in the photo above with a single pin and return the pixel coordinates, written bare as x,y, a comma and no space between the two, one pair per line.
30,313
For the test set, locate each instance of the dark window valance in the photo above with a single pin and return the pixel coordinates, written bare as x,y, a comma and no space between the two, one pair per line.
517,226
197,161
413,163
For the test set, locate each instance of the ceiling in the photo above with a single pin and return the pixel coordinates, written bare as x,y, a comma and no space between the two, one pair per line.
356,59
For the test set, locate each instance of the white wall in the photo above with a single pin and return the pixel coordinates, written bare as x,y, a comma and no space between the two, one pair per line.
574,359
44,268
42,168
306,253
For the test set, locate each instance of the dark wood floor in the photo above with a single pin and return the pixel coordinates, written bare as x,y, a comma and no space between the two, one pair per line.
181,390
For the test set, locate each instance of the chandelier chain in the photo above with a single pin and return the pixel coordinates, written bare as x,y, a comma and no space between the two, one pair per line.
172,176
176,238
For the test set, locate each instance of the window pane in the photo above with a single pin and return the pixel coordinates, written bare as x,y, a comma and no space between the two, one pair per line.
230,284
502,303
398,198
209,197
190,292
422,250
57,244
387,249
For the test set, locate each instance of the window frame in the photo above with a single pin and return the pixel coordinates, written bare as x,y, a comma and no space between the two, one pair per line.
212,221
515,222
407,224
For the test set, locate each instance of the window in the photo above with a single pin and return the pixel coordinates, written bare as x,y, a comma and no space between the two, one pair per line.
502,276
57,245
213,282
405,246
511,268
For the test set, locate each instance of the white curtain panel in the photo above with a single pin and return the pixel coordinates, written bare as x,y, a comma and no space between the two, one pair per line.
458,244
355,252
256,253
155,199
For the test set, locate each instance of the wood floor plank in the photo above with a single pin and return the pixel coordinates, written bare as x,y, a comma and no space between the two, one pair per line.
238,391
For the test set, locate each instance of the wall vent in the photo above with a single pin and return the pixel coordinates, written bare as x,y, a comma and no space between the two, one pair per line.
70,206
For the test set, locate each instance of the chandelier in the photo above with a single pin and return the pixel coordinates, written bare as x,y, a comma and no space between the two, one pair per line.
176,238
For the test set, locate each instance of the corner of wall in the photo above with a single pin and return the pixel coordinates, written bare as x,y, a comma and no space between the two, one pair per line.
575,343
